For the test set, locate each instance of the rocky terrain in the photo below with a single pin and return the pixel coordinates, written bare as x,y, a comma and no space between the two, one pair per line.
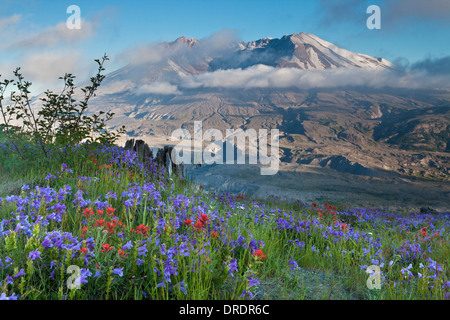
365,133
334,181
394,140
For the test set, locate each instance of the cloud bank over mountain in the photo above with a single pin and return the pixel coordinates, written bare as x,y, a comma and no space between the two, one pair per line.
157,88
295,61
436,66
219,43
261,76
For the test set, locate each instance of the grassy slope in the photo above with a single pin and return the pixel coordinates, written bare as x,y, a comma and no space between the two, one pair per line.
329,256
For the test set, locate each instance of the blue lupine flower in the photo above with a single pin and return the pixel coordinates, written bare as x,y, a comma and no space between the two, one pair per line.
4,297
118,271
252,281
232,266
142,251
183,287
294,264
19,274
127,246
33,255
246,293
406,270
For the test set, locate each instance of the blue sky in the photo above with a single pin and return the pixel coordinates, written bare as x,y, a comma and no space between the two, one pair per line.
31,31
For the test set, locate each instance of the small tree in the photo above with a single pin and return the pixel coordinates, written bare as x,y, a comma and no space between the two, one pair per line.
62,121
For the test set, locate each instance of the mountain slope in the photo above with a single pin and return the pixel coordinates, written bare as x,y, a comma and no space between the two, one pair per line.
298,50
186,57
356,129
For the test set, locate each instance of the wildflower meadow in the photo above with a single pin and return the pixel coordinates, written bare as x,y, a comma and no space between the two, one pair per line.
84,219
104,224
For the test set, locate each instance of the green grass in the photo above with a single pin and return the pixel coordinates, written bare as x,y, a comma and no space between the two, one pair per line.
329,256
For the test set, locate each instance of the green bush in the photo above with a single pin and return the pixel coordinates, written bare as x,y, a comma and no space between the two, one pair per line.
61,122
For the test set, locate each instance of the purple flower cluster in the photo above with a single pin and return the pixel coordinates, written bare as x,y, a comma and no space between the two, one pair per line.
172,248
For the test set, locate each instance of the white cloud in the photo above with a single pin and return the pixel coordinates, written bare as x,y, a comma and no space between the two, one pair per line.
157,88
261,76
154,53
9,21
44,54
55,35
49,66
44,69
151,53
115,86
428,10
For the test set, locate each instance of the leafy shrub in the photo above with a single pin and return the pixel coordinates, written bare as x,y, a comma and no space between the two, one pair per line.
61,122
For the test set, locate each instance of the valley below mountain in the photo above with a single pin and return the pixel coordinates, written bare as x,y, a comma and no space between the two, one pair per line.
353,146
351,141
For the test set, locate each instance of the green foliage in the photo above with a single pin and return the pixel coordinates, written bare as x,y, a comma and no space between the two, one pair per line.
308,251
61,122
